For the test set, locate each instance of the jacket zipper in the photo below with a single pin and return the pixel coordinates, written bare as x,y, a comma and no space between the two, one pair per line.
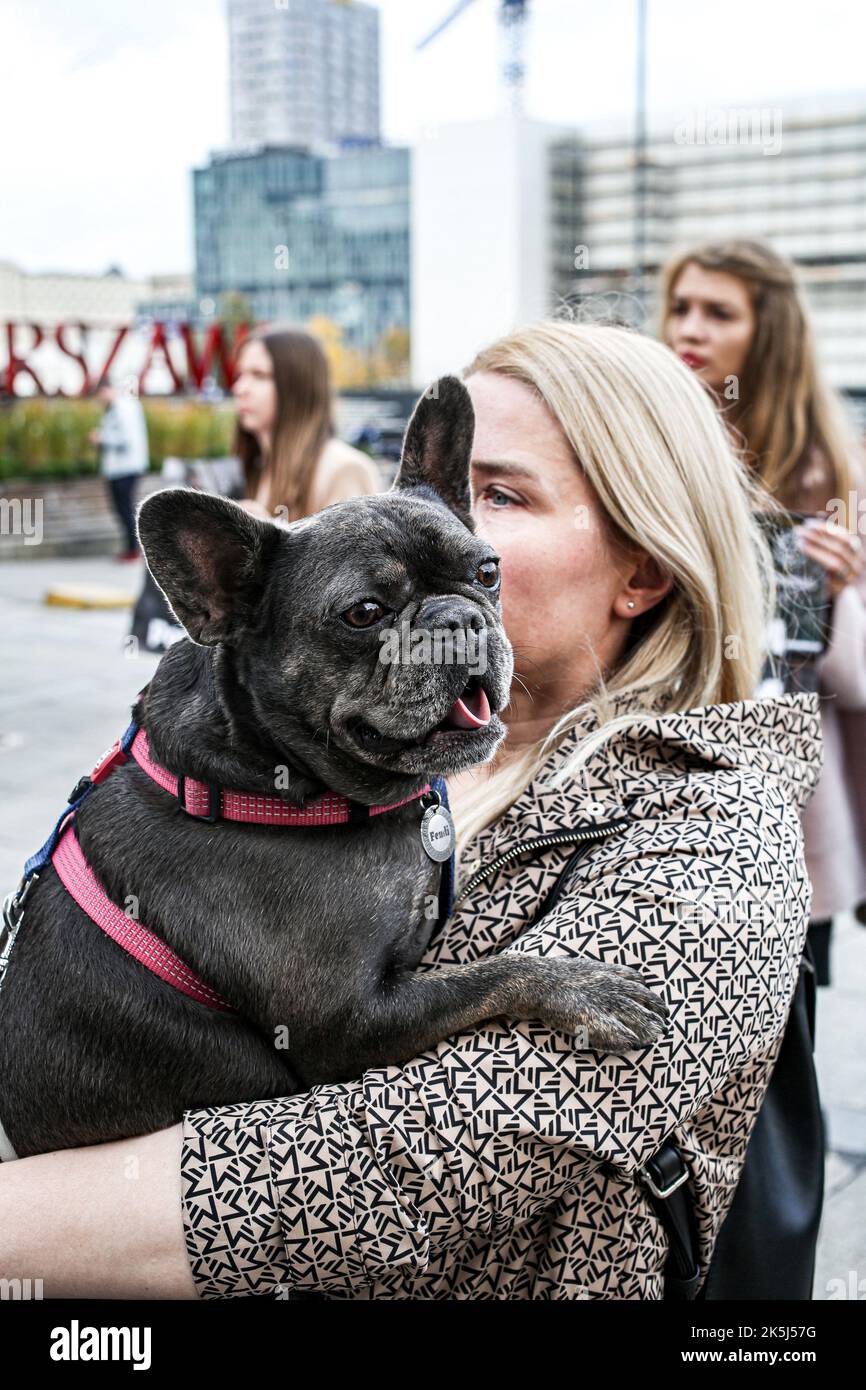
558,837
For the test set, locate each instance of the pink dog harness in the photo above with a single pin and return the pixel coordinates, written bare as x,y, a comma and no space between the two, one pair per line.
81,883
201,800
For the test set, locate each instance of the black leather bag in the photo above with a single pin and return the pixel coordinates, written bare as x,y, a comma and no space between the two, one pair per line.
766,1245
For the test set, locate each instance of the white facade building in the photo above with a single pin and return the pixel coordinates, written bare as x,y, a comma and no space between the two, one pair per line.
53,297
480,237
512,218
793,175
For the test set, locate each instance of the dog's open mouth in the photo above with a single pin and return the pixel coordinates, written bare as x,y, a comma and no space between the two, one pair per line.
469,714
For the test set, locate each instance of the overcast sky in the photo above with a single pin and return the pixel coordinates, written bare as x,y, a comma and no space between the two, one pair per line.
106,105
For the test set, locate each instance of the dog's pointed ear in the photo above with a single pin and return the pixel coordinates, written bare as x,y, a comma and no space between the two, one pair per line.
209,557
438,445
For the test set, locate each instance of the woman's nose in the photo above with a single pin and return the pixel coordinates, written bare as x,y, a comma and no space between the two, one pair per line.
692,326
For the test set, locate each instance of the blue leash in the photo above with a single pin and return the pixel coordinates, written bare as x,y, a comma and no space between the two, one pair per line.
80,792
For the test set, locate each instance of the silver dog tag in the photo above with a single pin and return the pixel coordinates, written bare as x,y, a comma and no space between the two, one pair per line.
437,832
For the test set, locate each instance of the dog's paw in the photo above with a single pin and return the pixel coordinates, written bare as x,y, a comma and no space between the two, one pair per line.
607,1007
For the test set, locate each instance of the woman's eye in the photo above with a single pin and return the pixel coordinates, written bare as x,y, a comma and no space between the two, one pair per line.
364,614
497,491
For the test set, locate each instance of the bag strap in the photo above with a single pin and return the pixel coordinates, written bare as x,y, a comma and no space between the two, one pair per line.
810,975
666,1177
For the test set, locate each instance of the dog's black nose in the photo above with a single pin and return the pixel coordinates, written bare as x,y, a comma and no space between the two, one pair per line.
449,611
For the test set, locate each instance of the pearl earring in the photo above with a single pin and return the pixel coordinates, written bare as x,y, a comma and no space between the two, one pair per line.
630,603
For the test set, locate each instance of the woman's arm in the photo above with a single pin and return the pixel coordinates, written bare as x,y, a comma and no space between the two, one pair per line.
838,549
334,1189
343,1187
101,1222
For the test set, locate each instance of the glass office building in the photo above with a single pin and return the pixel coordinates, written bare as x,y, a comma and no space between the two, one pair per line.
300,234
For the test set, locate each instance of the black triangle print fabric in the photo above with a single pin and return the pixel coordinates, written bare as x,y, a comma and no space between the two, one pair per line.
502,1164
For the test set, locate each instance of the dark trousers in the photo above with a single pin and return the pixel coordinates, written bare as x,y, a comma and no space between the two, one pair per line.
123,500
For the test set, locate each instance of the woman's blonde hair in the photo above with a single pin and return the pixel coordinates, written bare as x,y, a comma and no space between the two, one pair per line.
785,411
649,442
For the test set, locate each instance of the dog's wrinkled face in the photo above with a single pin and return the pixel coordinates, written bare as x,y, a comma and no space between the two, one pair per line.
368,637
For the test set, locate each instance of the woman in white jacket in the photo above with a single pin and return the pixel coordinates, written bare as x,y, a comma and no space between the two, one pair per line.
123,457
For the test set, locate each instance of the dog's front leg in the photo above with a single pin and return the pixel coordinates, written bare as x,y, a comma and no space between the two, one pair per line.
607,1006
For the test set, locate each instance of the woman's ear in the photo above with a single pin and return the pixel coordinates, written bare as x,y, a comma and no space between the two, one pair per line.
210,559
646,583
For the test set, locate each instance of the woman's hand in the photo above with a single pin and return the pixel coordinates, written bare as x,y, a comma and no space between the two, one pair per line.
834,548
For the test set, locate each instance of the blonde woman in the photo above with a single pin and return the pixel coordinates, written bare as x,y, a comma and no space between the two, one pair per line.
505,1163
734,313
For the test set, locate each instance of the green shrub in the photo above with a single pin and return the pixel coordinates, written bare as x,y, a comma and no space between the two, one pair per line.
47,438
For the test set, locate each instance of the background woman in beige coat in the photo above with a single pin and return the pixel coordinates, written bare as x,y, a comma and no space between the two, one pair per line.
293,463
734,313
506,1162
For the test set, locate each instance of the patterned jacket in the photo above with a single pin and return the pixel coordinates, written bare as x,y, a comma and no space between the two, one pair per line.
504,1163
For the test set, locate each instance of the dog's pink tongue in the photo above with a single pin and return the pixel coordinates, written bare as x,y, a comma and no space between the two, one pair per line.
472,715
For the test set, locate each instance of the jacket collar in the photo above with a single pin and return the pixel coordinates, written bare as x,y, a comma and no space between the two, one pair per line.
779,736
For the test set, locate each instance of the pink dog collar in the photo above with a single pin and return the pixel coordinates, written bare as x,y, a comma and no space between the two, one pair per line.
206,801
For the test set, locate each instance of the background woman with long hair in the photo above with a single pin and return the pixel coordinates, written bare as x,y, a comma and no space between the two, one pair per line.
734,313
292,460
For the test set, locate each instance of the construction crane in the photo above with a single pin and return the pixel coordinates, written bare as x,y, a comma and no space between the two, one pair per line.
513,16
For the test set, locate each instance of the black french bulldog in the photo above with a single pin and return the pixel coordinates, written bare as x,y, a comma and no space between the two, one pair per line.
311,933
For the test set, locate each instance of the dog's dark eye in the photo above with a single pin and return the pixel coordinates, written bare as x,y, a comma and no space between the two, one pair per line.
363,614
488,574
